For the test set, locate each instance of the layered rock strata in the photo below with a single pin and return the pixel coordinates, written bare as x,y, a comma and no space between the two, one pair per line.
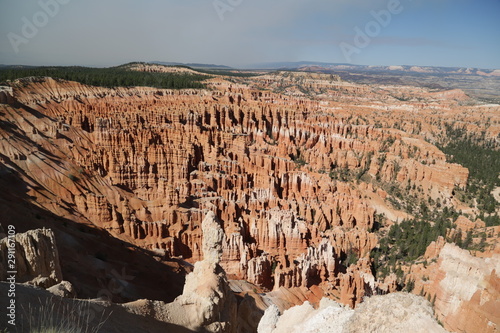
464,289
144,163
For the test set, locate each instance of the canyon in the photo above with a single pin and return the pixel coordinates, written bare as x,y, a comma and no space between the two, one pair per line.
305,172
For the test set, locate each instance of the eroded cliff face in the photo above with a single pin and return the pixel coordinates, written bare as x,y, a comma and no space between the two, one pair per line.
463,288
35,258
144,163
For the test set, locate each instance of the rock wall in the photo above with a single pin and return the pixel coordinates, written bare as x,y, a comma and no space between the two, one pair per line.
466,290
36,258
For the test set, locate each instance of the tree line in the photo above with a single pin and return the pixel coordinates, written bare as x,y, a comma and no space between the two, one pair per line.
482,158
108,77
408,240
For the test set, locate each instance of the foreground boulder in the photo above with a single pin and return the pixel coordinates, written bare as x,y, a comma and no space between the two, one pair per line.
37,258
397,312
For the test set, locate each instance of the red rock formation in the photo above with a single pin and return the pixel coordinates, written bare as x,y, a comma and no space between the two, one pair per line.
467,291
144,163
463,288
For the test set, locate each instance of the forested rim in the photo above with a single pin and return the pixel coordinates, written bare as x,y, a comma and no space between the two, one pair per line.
109,77
225,72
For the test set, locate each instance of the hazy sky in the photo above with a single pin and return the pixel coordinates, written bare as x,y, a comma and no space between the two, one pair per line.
462,33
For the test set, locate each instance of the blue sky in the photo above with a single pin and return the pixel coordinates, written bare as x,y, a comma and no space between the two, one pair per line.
462,33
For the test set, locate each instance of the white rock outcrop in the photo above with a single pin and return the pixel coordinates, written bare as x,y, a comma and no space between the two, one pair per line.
213,237
269,320
392,313
396,312
63,289
207,303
